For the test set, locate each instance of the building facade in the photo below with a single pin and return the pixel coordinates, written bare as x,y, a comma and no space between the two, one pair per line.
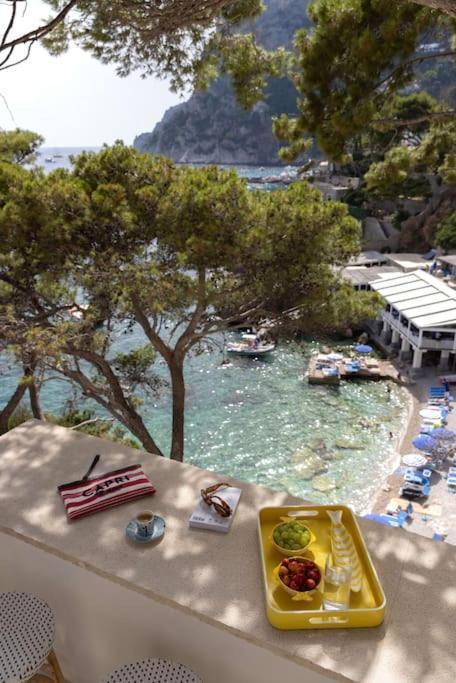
419,316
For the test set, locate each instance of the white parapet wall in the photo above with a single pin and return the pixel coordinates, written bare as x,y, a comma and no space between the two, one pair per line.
197,596
101,625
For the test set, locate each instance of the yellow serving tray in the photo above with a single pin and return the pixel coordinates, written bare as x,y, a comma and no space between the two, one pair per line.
367,608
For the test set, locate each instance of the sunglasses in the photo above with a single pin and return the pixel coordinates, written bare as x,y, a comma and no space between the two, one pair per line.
220,506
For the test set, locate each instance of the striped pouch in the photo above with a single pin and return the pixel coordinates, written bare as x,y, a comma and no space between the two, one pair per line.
82,498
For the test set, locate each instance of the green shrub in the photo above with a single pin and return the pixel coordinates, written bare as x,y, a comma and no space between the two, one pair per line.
399,217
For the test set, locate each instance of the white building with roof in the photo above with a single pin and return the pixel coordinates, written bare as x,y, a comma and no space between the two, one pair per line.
420,314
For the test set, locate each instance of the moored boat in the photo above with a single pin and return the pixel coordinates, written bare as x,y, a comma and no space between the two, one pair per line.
251,345
243,350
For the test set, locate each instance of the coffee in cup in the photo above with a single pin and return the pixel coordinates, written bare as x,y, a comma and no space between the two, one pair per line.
145,523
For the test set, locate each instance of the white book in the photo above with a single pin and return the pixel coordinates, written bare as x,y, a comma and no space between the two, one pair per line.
205,517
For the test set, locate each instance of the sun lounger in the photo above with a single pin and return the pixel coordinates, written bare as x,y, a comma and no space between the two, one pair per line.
432,421
438,537
412,491
416,478
426,429
451,484
387,520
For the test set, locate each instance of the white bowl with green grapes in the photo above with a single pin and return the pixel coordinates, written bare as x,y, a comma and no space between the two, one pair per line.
292,537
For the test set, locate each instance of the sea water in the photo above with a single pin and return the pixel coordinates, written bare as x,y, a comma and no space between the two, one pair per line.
260,420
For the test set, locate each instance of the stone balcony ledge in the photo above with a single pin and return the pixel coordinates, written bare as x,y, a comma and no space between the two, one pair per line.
216,578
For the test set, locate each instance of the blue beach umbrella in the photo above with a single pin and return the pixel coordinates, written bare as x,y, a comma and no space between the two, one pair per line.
424,442
442,433
363,348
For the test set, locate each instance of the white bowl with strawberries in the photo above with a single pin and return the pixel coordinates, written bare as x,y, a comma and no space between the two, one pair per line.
299,577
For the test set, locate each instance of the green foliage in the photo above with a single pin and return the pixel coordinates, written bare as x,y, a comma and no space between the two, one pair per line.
127,239
20,415
168,41
446,233
385,177
396,173
399,217
19,146
356,197
96,426
338,67
357,212
248,65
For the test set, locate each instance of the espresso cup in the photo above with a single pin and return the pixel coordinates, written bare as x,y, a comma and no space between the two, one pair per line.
145,523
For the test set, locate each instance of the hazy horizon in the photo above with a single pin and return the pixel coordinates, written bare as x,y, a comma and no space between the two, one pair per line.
76,101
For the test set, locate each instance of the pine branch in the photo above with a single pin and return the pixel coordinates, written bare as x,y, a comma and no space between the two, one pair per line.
445,6
430,116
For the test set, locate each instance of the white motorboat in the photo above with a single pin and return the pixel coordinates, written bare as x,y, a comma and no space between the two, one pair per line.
250,345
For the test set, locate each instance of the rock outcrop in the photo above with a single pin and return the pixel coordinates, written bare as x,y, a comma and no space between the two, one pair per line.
418,232
211,127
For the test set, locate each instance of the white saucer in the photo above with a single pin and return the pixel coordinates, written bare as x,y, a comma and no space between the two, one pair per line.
157,531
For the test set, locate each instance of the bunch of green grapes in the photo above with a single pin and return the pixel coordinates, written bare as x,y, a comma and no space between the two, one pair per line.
292,536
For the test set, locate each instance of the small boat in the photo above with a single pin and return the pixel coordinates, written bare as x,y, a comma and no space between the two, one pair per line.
251,345
49,160
244,350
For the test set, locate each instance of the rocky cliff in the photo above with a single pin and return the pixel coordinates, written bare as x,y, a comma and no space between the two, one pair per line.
211,128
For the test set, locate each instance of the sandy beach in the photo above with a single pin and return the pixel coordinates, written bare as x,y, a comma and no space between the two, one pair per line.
438,513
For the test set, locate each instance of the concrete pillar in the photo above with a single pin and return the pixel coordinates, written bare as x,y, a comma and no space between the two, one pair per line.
417,359
405,346
444,359
395,337
386,327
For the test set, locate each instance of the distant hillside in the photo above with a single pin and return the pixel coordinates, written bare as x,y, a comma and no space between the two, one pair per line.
211,128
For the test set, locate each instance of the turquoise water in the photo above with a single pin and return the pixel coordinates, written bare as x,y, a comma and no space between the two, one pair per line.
261,421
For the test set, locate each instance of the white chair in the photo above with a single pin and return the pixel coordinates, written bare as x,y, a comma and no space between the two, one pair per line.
153,671
26,638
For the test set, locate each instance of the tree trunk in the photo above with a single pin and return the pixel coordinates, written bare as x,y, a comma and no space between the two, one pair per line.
135,424
11,406
35,401
176,368
445,6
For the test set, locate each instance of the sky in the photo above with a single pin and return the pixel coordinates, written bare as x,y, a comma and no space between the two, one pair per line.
74,100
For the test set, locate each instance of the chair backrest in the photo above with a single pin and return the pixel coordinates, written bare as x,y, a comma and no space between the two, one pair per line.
153,671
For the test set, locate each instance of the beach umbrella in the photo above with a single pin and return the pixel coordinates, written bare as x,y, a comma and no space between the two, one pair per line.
414,460
424,442
430,414
363,348
442,433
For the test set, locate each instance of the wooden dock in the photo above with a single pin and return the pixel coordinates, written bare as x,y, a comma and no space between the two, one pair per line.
371,369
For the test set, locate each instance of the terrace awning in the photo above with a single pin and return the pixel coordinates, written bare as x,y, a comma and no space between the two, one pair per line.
423,299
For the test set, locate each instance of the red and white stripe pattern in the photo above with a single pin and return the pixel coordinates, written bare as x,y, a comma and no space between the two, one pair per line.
113,488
